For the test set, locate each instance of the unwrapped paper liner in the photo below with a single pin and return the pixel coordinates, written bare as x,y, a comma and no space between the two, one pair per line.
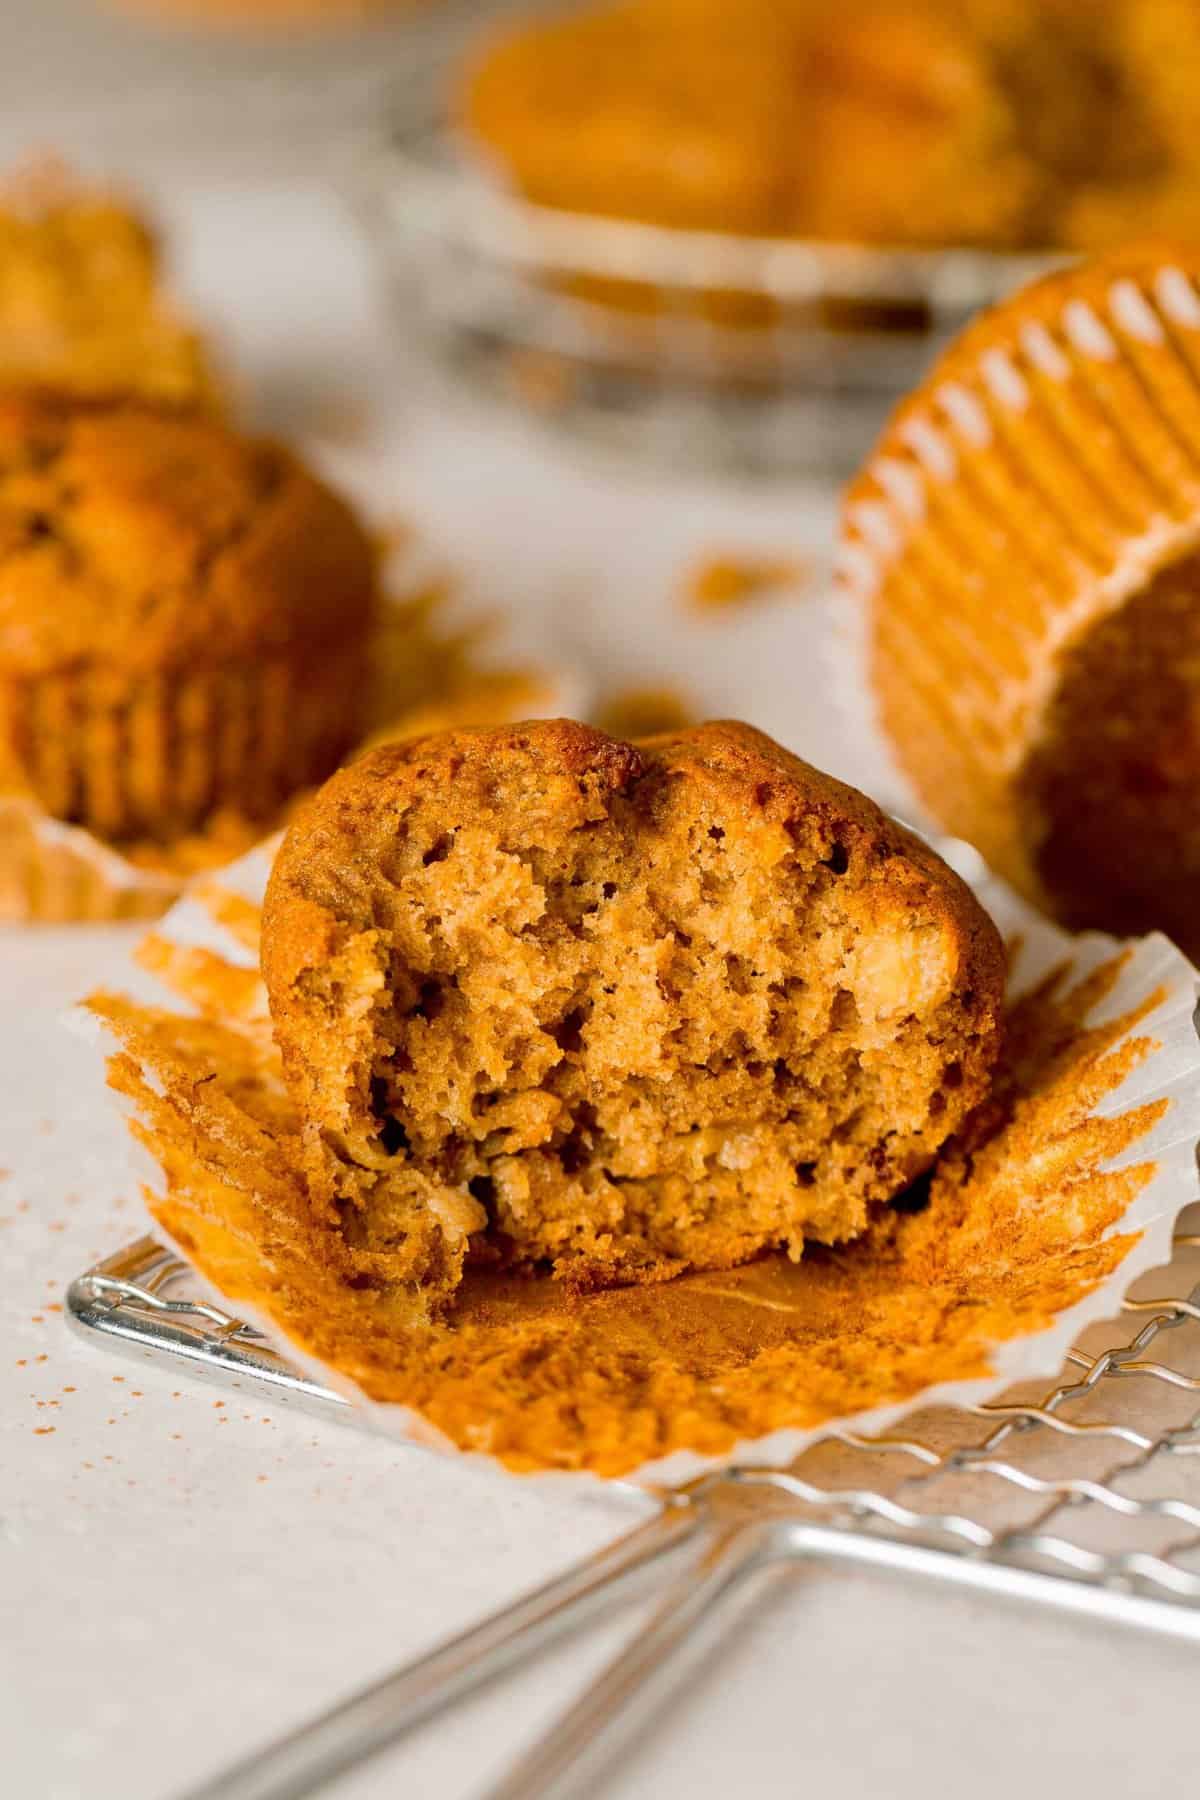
1108,1162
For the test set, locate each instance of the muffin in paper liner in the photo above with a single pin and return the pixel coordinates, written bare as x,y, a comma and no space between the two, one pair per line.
1063,1187
1023,549
187,613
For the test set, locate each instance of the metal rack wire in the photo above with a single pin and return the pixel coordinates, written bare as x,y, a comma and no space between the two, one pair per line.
1077,1498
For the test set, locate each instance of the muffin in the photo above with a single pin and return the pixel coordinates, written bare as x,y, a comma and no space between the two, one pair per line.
1025,544
1003,123
694,116
547,997
82,307
576,112
184,616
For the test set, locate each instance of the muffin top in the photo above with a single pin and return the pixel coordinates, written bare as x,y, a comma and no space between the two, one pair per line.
141,541
1014,123
83,308
802,117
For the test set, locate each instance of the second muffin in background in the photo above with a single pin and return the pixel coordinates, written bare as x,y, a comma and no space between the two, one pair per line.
184,618
83,304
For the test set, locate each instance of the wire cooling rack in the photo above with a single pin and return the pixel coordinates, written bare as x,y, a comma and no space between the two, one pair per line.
1084,1497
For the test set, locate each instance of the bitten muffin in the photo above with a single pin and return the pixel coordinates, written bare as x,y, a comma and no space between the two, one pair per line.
184,616
548,997
1025,542
82,306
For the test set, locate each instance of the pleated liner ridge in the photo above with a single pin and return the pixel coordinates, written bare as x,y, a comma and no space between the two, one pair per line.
1044,472
129,763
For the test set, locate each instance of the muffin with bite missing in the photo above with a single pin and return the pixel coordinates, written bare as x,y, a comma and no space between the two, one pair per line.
551,998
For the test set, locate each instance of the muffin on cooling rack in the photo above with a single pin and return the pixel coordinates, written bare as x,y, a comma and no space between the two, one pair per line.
184,617
82,307
1025,542
544,996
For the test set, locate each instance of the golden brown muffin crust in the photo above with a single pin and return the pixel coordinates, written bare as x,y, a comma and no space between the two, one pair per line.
184,619
82,306
149,541
550,997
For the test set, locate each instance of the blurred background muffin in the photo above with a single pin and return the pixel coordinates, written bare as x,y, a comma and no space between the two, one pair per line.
184,618
737,233
1000,123
686,113
82,302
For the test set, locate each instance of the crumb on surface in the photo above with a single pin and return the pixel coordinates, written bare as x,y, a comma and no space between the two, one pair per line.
727,580
545,381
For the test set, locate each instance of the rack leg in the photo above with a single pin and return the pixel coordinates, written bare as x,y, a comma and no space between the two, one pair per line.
357,1728
634,1684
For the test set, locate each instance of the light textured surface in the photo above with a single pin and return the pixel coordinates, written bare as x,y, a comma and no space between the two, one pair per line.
134,80
181,1578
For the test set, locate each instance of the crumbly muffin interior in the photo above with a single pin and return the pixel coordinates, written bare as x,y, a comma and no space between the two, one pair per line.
626,1021
1111,785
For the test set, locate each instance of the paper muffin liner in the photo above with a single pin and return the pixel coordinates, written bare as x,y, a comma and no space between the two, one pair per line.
229,740
131,761
54,874
1044,472
1063,1190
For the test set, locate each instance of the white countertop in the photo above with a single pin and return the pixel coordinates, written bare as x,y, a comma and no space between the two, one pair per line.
180,1578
